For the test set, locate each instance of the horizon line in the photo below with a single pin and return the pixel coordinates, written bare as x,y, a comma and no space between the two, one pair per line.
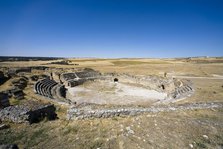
79,57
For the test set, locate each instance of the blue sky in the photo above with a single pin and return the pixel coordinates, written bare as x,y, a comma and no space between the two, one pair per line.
111,28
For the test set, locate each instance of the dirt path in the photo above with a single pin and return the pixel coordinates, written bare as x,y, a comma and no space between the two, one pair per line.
189,77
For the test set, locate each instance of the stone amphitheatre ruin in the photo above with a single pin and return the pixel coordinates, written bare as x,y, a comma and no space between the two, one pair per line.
87,92
94,90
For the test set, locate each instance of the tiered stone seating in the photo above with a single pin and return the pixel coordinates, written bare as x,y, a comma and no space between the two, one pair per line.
50,88
68,76
77,78
87,74
182,91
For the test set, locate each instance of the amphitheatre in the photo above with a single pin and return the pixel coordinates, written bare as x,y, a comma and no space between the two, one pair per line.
117,100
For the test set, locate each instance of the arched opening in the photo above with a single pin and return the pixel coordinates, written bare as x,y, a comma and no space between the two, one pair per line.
163,87
115,79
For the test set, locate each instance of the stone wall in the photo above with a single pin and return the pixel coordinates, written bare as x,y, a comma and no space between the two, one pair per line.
68,76
79,77
4,100
74,82
87,112
174,88
20,82
9,146
2,75
151,82
15,71
27,113
15,93
3,78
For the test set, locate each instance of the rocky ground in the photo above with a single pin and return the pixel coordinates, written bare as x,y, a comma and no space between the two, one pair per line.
98,111
182,129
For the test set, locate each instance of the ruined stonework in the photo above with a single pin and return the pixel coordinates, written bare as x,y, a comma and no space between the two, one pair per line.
20,83
4,100
175,88
55,76
74,82
72,79
183,88
9,146
89,111
38,77
151,82
3,77
16,93
28,113
56,89
50,88
14,71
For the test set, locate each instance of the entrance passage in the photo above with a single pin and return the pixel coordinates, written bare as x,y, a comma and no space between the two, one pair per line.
116,80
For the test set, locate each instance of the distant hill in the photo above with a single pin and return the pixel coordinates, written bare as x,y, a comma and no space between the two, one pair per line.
20,58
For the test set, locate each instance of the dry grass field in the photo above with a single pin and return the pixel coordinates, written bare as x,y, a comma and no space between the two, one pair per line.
201,128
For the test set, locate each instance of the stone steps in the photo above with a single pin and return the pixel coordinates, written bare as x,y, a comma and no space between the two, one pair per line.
182,91
49,88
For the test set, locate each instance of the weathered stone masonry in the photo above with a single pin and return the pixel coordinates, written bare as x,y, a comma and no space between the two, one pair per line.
76,113
26,113
50,88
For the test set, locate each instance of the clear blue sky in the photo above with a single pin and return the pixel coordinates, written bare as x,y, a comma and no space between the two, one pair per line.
111,28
